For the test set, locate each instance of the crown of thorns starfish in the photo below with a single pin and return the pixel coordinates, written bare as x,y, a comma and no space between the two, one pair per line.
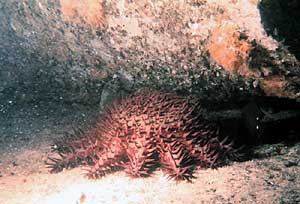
148,130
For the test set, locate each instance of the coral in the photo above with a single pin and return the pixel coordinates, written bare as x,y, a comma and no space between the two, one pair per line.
91,11
147,130
229,50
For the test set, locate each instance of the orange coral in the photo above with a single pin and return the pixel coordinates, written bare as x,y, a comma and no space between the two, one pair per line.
229,51
274,86
91,11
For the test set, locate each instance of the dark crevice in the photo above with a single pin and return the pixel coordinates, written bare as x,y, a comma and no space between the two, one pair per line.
281,20
267,120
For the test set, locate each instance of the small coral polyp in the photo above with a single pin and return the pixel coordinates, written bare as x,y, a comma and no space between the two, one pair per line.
143,132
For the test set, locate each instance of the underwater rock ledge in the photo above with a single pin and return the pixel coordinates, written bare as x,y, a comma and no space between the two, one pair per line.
69,52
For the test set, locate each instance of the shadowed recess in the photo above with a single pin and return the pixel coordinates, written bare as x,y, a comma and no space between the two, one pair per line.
281,19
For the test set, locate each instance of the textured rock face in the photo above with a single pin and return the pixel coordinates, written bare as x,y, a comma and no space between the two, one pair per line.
69,50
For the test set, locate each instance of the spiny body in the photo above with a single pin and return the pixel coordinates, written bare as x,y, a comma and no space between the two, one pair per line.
147,130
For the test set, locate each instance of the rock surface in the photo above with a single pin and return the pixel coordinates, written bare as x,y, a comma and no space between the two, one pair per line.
65,51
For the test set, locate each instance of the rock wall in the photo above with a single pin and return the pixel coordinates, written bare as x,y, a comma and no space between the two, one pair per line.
68,50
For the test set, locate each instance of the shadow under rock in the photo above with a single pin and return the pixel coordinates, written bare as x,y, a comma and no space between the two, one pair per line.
263,123
281,20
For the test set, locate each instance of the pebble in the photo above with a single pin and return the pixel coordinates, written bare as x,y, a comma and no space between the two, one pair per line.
290,163
290,176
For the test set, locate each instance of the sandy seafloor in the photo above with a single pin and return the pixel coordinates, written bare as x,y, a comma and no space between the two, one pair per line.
26,133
